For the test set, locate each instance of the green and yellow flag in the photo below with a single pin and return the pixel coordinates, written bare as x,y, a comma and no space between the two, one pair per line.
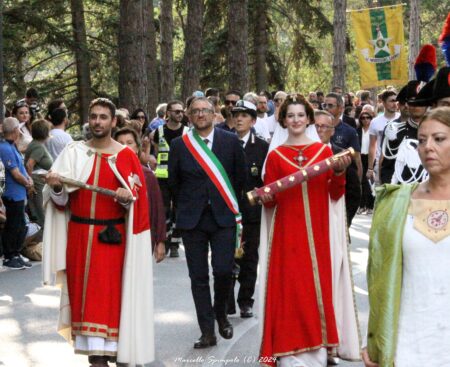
380,46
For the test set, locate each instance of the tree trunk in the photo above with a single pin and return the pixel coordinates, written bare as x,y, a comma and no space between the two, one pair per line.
193,48
133,50
339,43
414,36
1,63
237,44
166,25
152,62
82,58
260,42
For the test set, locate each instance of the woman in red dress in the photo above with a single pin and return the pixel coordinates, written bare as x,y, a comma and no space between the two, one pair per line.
299,323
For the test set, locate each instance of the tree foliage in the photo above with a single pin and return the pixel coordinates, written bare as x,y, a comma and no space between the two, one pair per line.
39,46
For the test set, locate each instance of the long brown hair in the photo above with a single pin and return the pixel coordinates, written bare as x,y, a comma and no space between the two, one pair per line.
295,99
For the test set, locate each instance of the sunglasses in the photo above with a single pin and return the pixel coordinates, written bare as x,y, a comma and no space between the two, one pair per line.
328,105
140,117
365,118
229,102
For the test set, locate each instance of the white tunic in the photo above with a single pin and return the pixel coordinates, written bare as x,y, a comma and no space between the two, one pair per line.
424,324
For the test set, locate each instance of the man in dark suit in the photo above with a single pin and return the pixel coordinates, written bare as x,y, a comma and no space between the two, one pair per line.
203,216
255,149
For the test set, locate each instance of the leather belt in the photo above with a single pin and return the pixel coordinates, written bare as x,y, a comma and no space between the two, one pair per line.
99,222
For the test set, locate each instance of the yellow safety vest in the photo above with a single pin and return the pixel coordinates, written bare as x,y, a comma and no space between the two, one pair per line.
162,160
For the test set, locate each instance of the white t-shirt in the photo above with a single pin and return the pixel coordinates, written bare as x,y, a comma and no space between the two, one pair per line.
57,142
271,123
365,142
262,129
377,127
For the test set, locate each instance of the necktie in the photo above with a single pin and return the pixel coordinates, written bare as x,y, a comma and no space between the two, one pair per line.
242,143
206,141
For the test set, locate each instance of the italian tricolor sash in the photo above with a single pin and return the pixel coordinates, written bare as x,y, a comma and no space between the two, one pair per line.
217,174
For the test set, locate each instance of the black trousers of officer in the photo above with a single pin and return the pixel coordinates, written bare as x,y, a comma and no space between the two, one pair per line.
248,266
352,194
196,242
367,199
15,229
170,210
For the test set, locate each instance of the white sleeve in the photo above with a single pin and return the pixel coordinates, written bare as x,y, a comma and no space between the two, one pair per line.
59,198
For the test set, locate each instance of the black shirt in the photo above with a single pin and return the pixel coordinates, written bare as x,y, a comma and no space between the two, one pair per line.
169,134
224,126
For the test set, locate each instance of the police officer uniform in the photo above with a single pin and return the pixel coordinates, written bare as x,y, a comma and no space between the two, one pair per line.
256,150
163,137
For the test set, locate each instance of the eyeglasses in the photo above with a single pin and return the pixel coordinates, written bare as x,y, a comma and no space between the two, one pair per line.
323,127
196,111
228,102
365,118
328,105
177,112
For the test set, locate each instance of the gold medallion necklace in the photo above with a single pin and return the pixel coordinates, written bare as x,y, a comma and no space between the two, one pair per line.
300,158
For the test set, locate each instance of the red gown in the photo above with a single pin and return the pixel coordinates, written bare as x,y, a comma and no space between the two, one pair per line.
94,268
299,315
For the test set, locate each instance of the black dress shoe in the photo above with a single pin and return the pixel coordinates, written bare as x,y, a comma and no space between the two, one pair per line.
205,341
225,328
246,312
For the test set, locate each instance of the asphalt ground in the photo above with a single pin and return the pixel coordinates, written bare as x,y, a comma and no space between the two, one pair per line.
28,315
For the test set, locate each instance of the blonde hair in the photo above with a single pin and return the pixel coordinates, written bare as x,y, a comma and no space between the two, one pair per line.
441,114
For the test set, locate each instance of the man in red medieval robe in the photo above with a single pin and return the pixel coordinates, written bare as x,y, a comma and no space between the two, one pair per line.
99,247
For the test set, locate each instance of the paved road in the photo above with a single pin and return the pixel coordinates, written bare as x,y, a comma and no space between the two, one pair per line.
28,314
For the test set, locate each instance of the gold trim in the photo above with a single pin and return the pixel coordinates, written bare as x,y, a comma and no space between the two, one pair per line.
269,250
97,163
102,331
304,350
315,265
286,159
311,161
93,324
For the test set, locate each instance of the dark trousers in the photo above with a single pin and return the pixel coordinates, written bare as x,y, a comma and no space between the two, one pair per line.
352,194
15,228
196,243
169,209
367,199
248,265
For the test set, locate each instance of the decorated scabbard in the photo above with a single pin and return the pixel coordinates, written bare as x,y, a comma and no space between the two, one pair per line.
304,174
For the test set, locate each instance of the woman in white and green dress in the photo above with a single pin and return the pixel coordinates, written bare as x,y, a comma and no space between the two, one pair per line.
409,260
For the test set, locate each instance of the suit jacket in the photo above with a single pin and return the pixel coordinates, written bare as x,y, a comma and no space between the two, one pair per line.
255,153
194,191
